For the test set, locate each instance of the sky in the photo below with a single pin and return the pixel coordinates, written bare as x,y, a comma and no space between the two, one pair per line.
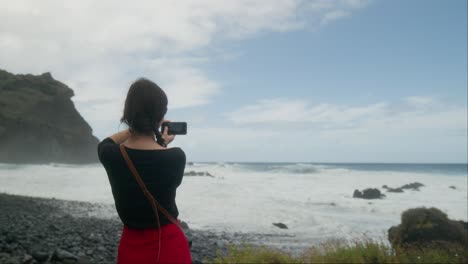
262,80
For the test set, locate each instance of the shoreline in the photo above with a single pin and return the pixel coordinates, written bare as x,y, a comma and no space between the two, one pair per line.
49,230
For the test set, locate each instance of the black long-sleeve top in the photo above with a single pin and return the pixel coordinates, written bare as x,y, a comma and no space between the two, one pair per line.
162,172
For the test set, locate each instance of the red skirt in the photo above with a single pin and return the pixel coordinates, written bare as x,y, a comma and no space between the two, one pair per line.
141,246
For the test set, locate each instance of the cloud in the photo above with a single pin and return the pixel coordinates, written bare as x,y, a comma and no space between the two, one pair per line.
99,47
276,111
296,130
415,116
408,113
331,10
185,85
101,41
332,16
419,101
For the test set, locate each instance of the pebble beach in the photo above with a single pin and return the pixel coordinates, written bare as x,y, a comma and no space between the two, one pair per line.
42,230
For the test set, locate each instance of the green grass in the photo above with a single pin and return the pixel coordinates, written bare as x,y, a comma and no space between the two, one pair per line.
366,251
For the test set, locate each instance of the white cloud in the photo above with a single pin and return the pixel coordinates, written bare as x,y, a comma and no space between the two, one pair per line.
408,113
99,47
185,85
333,15
99,41
332,10
295,130
420,101
299,111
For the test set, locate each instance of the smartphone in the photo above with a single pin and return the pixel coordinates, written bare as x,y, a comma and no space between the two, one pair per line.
175,128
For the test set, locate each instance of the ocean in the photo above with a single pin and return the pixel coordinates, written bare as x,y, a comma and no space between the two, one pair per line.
314,200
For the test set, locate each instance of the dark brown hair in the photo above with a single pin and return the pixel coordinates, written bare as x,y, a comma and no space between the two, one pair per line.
145,107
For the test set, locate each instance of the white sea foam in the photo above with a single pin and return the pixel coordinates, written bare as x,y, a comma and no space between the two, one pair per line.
314,201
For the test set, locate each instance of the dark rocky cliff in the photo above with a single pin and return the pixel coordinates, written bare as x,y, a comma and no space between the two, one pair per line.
39,122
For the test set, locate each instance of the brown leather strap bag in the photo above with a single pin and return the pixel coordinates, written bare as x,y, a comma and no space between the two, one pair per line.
154,204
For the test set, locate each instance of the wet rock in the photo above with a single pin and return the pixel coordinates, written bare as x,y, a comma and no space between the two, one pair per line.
13,260
395,190
53,227
200,173
63,255
369,193
27,259
410,186
280,225
414,186
357,194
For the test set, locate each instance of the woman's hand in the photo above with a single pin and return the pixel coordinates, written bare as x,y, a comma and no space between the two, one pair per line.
167,138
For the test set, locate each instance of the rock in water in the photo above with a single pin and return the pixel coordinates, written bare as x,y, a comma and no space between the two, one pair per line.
200,173
370,193
357,194
422,226
280,225
395,190
39,123
414,186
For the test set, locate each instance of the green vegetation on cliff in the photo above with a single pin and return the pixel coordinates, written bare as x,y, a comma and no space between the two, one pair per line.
39,122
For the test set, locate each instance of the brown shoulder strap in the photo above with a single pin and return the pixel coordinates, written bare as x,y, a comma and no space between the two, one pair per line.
154,204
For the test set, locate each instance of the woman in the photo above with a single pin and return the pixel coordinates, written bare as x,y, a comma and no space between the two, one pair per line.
147,237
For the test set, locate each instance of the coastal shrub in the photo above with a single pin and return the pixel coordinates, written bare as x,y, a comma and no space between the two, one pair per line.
432,252
427,226
365,251
254,254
